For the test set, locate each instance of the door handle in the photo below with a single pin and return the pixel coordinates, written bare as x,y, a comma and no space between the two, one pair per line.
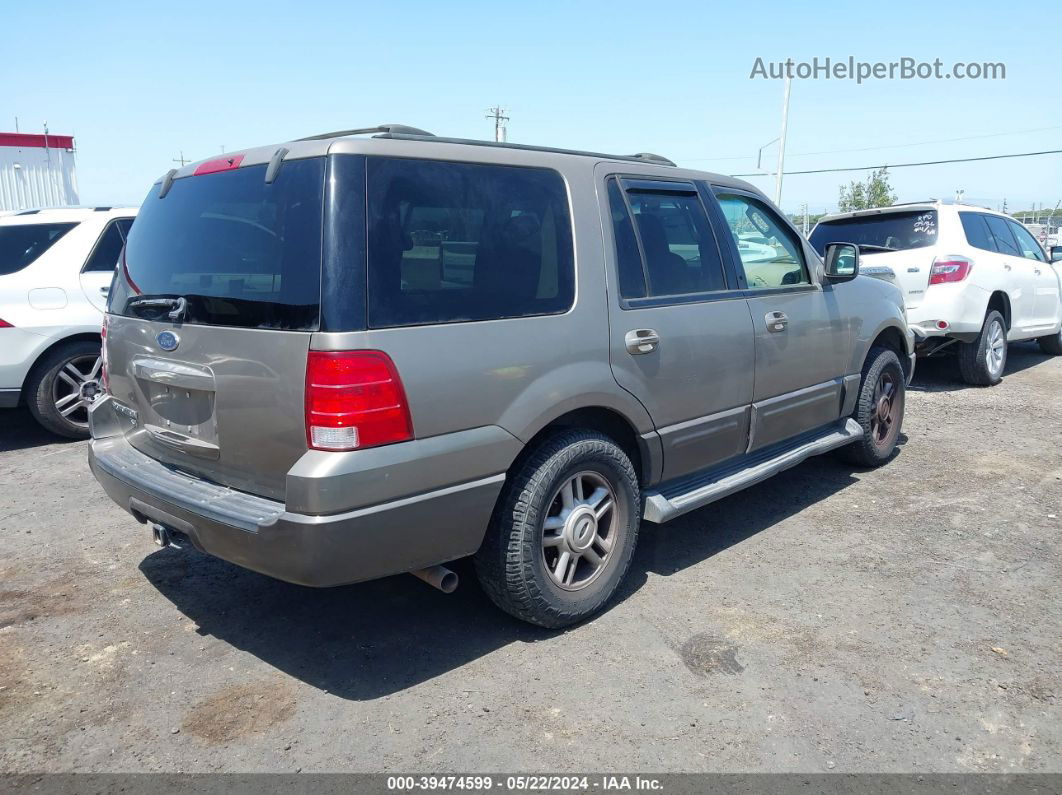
105,290
641,340
776,321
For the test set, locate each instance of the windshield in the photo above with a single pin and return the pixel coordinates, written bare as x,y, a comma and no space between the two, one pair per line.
21,244
885,232
241,251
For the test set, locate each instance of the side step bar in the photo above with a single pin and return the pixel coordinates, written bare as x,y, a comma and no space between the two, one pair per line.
660,508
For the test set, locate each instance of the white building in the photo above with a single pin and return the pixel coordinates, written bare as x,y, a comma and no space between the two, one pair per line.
36,171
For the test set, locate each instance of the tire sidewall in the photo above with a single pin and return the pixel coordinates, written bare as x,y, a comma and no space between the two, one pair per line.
884,359
40,386
597,592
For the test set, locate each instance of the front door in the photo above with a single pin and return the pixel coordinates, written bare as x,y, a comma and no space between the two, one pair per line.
681,335
803,338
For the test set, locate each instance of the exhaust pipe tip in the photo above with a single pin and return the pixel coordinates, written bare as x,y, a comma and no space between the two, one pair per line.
438,577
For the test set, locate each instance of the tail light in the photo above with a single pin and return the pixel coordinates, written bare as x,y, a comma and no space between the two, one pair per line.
952,268
354,399
5,324
103,355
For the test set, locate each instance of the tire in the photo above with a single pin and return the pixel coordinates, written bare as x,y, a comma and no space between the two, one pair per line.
1051,345
52,388
512,563
879,409
981,362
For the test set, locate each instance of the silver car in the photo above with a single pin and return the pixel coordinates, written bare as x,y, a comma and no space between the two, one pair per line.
346,357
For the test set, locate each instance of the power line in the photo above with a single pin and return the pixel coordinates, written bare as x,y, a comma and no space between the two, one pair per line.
909,165
886,146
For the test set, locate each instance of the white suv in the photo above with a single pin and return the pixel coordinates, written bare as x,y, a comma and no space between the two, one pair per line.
55,272
969,276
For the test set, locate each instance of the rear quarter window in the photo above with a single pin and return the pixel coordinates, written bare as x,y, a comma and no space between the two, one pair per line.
451,242
22,244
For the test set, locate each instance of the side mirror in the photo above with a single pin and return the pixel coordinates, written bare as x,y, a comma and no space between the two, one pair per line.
842,262
1055,253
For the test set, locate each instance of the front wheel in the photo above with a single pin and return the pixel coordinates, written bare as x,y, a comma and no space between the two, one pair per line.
564,532
982,361
879,409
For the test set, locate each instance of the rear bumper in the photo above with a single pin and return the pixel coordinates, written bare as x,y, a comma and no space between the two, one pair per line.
260,534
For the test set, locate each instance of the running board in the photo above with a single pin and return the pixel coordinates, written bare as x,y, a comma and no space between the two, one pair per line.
697,491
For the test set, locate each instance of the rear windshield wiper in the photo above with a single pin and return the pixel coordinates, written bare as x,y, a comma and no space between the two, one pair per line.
876,248
178,305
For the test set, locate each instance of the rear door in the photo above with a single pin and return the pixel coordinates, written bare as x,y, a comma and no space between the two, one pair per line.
681,339
1016,274
901,241
210,321
98,270
803,336
1044,280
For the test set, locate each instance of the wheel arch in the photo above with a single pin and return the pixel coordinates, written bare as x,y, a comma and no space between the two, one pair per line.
605,420
1000,301
81,336
892,337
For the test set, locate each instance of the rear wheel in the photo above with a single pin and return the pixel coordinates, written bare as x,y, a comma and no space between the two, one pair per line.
879,409
54,387
1051,344
982,361
564,532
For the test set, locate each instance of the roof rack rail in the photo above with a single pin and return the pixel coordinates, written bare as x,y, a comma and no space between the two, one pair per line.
388,129
649,157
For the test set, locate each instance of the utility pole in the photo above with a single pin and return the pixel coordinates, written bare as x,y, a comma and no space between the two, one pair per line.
498,114
181,159
958,195
781,145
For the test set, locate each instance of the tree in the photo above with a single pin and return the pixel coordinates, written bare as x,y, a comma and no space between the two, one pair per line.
875,192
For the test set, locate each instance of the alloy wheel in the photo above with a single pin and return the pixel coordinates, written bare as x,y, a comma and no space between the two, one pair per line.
76,380
579,531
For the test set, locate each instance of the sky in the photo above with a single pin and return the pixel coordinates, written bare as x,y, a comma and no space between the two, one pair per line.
140,83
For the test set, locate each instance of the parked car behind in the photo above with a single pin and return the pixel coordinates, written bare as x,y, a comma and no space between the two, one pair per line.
55,271
969,276
341,358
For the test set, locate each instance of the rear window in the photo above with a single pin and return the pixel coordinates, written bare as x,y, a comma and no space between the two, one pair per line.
21,244
886,232
241,251
451,242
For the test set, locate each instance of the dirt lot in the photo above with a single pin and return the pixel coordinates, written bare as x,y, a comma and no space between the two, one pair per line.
908,618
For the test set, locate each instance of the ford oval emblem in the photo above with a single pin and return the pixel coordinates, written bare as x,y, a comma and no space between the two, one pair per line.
167,340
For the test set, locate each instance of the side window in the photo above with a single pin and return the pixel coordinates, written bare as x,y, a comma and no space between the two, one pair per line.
1004,240
21,244
1027,244
124,225
770,252
680,255
452,242
628,257
105,255
977,234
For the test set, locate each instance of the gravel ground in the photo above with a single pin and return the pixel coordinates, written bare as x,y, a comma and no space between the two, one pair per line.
908,618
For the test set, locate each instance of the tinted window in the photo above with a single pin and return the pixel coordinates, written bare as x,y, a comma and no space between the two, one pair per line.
1001,233
894,231
680,250
1027,244
770,251
976,230
452,242
242,251
628,258
21,244
105,255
